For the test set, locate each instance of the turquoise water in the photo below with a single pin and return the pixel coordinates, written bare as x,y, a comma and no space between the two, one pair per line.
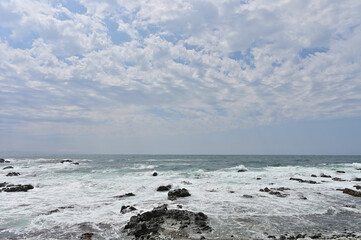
84,194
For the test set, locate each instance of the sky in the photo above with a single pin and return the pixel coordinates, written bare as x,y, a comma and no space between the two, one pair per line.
190,76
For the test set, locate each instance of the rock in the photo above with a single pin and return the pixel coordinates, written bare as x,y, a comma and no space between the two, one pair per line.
231,191
313,175
340,171
125,195
161,223
3,184
275,191
242,170
58,209
303,181
358,187
15,188
86,236
176,193
316,236
12,174
247,196
2,160
8,167
126,209
164,188
66,161
75,163
325,176
357,179
258,178
338,179
352,192
155,174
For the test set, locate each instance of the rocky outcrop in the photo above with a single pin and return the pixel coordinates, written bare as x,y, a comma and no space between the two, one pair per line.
352,192
177,193
275,191
2,160
125,195
325,176
12,174
358,187
127,208
161,223
8,167
357,179
86,236
5,187
164,188
303,181
338,179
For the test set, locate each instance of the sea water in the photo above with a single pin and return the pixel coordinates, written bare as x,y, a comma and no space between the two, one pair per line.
69,199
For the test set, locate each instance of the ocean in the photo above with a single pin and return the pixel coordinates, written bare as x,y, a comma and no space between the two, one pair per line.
238,193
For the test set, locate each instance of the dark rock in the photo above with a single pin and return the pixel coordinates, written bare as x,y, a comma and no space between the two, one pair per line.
338,179
247,196
303,181
164,188
125,195
2,160
126,209
340,171
161,223
15,188
358,187
313,175
258,178
352,192
316,236
242,170
278,194
266,189
325,176
58,209
66,161
275,191
12,174
357,179
3,184
75,163
86,236
179,206
8,167
350,206
6,161
231,191
155,174
176,193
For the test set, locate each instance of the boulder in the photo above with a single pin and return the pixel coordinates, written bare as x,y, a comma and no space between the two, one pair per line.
352,192
15,188
127,208
66,161
8,167
340,171
12,174
161,223
2,160
155,174
313,175
177,193
164,188
125,195
325,176
242,170
358,187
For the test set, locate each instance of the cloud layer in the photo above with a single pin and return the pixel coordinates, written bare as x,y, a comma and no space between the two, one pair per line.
100,68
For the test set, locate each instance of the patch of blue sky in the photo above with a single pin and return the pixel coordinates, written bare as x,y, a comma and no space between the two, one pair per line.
173,38
62,17
74,6
159,112
247,57
181,61
276,64
117,37
192,47
5,32
149,30
25,42
306,52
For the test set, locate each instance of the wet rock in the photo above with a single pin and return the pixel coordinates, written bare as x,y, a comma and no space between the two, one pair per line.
75,163
58,209
247,196
12,174
275,191
258,178
15,188
177,193
266,189
357,179
313,175
278,194
86,236
2,160
338,179
352,192
3,184
340,171
125,195
127,208
161,223
242,170
155,174
8,167
66,161
325,176
316,236
231,191
303,181
164,188
358,187
350,206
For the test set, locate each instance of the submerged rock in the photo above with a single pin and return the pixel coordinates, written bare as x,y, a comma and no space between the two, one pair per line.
338,179
164,188
15,188
352,192
155,174
176,193
66,161
86,236
125,195
340,171
313,175
8,167
127,208
325,176
303,181
242,170
275,191
161,223
12,174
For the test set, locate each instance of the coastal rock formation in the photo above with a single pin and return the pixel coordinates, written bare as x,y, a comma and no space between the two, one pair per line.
8,167
2,160
5,187
352,192
275,191
358,187
155,174
303,181
340,171
325,176
164,188
127,208
357,179
12,174
161,223
125,195
338,179
177,193
66,161
86,236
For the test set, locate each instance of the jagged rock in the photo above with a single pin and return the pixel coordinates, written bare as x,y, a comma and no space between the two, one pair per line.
8,167
352,192
313,175
161,223
338,179
127,208
15,188
66,161
164,188
3,184
340,171
303,181
2,160
325,176
275,191
12,174
176,193
125,195
86,236
358,187
155,174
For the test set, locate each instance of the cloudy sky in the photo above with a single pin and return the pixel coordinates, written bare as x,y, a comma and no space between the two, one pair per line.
190,76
